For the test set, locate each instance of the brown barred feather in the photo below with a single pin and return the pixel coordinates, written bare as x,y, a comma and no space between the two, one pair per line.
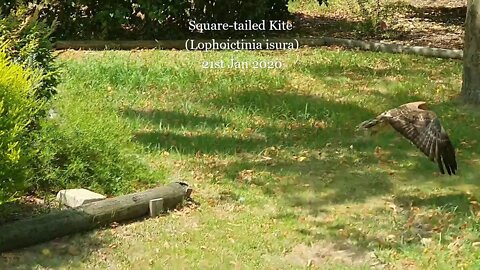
423,128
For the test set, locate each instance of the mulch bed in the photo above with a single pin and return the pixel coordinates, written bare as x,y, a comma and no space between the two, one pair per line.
424,23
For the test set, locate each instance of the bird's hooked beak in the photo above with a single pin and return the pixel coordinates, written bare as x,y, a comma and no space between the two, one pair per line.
423,106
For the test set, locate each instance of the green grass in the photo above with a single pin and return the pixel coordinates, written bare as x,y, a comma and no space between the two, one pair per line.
276,166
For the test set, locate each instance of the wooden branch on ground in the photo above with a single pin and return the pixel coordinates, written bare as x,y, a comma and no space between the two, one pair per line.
312,42
120,45
43,228
394,48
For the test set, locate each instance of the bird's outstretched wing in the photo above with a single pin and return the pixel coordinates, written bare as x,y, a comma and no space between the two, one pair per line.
424,129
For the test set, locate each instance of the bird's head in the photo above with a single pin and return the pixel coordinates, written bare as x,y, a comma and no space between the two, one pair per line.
422,105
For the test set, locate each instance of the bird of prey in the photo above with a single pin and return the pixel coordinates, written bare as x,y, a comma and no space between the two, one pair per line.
423,128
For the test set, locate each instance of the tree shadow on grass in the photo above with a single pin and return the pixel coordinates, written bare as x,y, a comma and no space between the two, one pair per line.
338,73
324,26
316,184
289,121
44,252
298,109
458,202
358,72
442,15
438,21
197,143
414,217
69,251
367,75
174,119
338,26
23,208
180,132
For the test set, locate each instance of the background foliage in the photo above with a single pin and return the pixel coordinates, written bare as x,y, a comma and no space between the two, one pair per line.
146,19
26,41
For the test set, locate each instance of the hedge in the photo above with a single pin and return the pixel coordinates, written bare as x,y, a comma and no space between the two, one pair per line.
147,19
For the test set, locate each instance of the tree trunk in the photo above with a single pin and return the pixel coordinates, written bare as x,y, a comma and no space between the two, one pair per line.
43,228
471,54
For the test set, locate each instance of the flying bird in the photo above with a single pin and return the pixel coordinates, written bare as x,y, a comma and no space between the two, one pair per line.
423,128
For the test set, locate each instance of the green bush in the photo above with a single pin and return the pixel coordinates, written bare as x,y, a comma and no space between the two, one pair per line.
146,19
17,109
375,15
26,41
229,11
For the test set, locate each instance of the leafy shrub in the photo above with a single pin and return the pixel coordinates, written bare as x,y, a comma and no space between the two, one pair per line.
26,41
17,109
229,11
375,15
146,19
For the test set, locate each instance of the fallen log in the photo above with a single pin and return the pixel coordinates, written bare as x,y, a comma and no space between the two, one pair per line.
47,227
393,48
119,45
312,42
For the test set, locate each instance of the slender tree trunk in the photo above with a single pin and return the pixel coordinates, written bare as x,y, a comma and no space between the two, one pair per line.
471,54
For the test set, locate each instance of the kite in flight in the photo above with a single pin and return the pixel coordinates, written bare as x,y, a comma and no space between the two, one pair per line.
423,128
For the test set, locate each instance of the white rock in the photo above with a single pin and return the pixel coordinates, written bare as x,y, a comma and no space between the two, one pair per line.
78,197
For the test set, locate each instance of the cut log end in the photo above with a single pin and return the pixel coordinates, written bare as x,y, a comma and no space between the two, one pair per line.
156,207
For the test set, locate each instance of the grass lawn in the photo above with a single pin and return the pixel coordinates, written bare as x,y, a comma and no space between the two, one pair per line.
281,178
